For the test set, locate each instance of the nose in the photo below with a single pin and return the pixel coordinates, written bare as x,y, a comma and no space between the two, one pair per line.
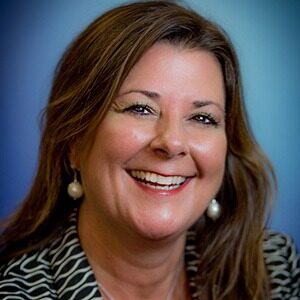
170,140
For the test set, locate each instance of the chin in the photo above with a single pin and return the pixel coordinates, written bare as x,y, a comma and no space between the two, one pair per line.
161,229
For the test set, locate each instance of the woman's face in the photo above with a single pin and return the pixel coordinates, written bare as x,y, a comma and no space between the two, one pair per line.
158,157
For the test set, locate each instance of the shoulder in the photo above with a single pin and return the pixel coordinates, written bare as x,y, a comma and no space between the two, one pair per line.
282,262
30,275
59,270
27,276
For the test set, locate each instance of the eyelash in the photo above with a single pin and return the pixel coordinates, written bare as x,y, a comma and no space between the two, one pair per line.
206,119
139,109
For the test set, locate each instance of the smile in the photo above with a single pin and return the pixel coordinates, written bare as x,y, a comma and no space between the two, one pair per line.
158,182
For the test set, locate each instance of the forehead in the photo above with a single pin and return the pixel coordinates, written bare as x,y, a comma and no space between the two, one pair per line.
173,71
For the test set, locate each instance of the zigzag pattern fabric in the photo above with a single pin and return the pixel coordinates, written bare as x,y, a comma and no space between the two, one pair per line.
283,265
61,271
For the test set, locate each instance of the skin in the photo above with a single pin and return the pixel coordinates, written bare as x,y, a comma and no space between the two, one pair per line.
168,119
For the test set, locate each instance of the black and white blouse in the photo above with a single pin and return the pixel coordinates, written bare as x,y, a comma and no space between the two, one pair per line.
61,270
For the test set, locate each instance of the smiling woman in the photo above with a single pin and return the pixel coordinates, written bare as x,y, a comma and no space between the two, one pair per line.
168,138
150,184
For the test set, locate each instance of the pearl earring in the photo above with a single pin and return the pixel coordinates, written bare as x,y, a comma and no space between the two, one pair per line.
75,190
214,210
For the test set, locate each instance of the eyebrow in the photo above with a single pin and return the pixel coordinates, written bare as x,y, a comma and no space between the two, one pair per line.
149,94
156,96
199,104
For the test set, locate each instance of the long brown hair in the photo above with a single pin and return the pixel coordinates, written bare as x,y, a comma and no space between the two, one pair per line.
86,82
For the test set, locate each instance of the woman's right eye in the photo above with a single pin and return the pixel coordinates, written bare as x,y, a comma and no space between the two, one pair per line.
139,109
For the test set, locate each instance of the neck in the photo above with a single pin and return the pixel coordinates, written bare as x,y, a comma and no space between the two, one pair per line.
130,267
171,294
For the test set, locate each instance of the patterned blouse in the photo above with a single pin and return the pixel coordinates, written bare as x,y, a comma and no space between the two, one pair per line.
61,270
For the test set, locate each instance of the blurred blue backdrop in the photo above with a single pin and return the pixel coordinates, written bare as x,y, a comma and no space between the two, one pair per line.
34,34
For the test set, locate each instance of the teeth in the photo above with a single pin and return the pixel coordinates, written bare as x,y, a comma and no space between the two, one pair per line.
166,182
147,176
153,178
161,187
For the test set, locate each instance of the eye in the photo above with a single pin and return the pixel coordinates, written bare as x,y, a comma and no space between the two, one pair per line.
139,109
205,119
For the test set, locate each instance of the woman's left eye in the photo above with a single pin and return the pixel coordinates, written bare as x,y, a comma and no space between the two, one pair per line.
205,119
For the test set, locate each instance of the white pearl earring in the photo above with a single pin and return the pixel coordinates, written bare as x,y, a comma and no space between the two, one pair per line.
75,189
214,210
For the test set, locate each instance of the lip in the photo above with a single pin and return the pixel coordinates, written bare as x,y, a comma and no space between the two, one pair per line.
179,182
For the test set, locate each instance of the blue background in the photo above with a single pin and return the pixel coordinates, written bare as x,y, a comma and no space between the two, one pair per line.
34,34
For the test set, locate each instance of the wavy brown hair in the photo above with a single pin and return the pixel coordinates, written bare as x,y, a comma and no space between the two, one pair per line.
86,82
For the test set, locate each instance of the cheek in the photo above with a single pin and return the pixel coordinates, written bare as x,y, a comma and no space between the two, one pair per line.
122,141
210,153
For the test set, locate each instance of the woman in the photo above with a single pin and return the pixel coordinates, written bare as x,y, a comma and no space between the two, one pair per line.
150,184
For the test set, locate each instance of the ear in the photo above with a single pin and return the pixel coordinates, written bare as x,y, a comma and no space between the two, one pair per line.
74,156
